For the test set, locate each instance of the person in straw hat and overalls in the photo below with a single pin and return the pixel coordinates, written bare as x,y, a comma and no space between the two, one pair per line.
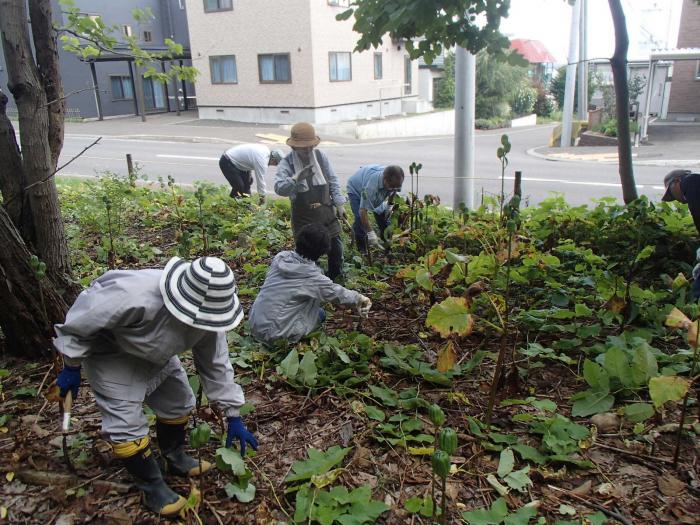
306,177
125,331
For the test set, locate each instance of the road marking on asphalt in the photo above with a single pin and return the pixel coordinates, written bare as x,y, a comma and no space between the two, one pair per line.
192,157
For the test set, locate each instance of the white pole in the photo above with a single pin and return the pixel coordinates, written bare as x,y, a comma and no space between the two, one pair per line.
583,65
465,102
647,99
568,109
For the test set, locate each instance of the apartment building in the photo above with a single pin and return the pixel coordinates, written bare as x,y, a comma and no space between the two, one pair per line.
269,61
114,77
685,85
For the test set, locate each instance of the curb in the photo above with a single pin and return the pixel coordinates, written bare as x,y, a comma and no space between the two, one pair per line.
669,163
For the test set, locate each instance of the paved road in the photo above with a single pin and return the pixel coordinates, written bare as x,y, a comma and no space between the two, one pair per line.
187,162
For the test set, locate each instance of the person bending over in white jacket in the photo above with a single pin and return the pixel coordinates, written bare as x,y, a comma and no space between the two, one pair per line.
288,305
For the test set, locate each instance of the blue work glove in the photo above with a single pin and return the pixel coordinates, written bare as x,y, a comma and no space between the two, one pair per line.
237,430
69,379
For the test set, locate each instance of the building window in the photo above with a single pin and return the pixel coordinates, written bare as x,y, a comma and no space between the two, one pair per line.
378,70
223,69
339,3
407,75
211,6
126,30
340,65
275,68
147,36
122,89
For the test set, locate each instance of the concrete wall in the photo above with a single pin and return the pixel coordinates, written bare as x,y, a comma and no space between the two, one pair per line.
685,88
437,123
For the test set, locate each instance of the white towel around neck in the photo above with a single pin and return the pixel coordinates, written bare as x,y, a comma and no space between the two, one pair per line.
317,179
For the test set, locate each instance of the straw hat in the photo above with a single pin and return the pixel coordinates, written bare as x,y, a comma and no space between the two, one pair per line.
303,135
201,294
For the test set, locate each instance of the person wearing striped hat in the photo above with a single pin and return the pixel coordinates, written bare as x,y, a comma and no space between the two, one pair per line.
125,332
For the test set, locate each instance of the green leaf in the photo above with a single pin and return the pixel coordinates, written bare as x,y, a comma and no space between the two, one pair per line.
26,391
374,413
519,479
308,369
424,279
229,460
582,310
505,463
243,494
617,365
595,375
644,366
289,365
529,453
493,516
200,435
523,515
386,395
362,513
592,402
667,388
413,504
639,412
318,463
451,316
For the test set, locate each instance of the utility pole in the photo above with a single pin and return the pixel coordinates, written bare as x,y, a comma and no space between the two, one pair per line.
465,104
583,63
568,109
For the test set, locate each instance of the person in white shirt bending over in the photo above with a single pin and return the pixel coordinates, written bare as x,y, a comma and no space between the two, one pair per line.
238,162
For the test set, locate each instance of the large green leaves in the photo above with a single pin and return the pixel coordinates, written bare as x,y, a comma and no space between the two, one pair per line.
318,463
451,316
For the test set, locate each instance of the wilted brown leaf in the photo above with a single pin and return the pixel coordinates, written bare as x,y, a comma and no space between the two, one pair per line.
670,485
447,358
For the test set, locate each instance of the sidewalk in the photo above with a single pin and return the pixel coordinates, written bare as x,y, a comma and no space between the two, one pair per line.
671,144
186,128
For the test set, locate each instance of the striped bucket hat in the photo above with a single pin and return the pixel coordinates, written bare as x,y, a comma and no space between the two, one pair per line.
202,293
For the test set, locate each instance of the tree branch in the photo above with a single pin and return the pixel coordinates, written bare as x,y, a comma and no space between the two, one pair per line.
48,178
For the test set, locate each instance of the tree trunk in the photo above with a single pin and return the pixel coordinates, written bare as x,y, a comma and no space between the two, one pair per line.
45,234
618,64
28,309
46,50
11,176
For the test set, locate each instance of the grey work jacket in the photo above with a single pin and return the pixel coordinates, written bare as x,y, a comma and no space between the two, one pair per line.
287,306
123,333
286,187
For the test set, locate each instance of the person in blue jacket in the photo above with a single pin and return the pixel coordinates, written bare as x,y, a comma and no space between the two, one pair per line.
372,189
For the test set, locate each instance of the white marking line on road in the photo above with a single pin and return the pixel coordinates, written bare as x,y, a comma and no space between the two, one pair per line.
186,157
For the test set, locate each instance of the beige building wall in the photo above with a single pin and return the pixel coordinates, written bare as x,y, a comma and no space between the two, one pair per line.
309,32
330,35
253,27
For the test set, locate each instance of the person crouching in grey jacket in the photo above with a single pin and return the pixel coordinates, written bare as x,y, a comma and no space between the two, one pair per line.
125,332
288,305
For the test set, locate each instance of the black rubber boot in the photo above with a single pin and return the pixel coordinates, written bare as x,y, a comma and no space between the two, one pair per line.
171,440
158,496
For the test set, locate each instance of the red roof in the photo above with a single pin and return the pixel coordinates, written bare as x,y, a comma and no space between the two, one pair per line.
533,51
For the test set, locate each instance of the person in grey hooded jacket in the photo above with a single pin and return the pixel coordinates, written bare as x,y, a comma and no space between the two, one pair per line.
125,332
288,305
